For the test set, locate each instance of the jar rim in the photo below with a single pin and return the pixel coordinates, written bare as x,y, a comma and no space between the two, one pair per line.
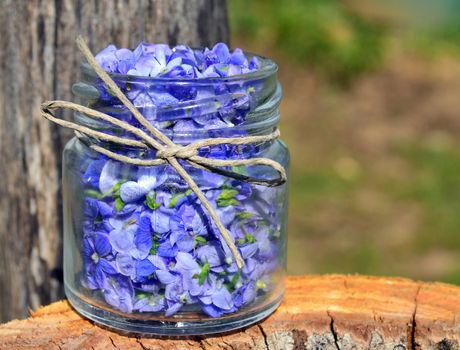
268,67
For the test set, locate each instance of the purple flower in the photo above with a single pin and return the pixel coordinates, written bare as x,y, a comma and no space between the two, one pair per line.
94,213
238,58
160,221
110,176
119,292
125,60
148,178
186,224
155,61
96,248
211,253
129,236
143,239
107,59
219,303
150,303
93,172
163,273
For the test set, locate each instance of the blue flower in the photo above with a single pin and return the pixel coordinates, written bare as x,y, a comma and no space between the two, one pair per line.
93,172
150,303
125,60
185,225
110,175
148,179
107,59
219,303
96,249
94,213
155,61
119,292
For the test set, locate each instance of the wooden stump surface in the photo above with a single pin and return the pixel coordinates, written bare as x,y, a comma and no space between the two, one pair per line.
318,312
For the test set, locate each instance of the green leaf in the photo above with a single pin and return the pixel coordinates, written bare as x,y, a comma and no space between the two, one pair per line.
141,296
175,198
115,190
151,200
240,169
231,285
226,202
119,204
250,238
228,193
94,194
204,273
200,240
227,197
244,215
154,248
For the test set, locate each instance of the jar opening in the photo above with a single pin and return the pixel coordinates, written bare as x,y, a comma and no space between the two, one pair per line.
181,107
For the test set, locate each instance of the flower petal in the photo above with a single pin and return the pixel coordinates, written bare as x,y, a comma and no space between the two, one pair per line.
144,268
106,266
186,262
173,309
160,222
165,277
102,244
126,265
222,299
110,176
131,191
122,240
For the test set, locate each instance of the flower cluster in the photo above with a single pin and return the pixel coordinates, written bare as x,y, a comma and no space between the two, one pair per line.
149,247
147,244
160,60
194,92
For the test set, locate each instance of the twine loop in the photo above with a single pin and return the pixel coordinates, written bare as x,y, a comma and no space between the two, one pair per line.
166,150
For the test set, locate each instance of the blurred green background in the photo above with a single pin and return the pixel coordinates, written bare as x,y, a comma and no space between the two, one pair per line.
371,114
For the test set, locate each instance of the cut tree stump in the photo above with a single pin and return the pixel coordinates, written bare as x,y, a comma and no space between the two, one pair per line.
318,312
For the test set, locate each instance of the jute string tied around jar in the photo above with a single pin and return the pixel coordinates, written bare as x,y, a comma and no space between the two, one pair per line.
166,150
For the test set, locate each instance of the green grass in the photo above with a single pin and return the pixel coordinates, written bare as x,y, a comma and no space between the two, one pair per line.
435,185
321,33
357,240
332,228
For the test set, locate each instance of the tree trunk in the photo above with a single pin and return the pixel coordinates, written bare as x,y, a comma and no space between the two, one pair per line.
318,312
39,61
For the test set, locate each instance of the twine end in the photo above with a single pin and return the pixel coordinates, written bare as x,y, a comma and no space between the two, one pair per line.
47,105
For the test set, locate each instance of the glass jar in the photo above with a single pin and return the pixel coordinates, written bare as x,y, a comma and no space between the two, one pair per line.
140,252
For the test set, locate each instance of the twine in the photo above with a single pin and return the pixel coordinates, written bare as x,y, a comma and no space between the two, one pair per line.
166,150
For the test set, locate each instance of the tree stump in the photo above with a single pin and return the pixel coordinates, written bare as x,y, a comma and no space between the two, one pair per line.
318,312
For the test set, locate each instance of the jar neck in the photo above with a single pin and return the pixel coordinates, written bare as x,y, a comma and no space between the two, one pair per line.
187,109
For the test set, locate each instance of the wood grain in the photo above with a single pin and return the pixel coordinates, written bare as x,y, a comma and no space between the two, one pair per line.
39,61
319,312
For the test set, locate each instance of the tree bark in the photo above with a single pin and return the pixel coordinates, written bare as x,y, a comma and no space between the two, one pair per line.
39,61
318,312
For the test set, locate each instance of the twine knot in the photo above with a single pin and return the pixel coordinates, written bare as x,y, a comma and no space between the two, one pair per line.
176,151
167,150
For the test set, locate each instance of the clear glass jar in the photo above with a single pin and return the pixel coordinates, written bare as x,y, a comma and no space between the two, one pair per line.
141,254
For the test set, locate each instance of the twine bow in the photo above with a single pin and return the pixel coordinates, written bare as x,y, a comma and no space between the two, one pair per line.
166,150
